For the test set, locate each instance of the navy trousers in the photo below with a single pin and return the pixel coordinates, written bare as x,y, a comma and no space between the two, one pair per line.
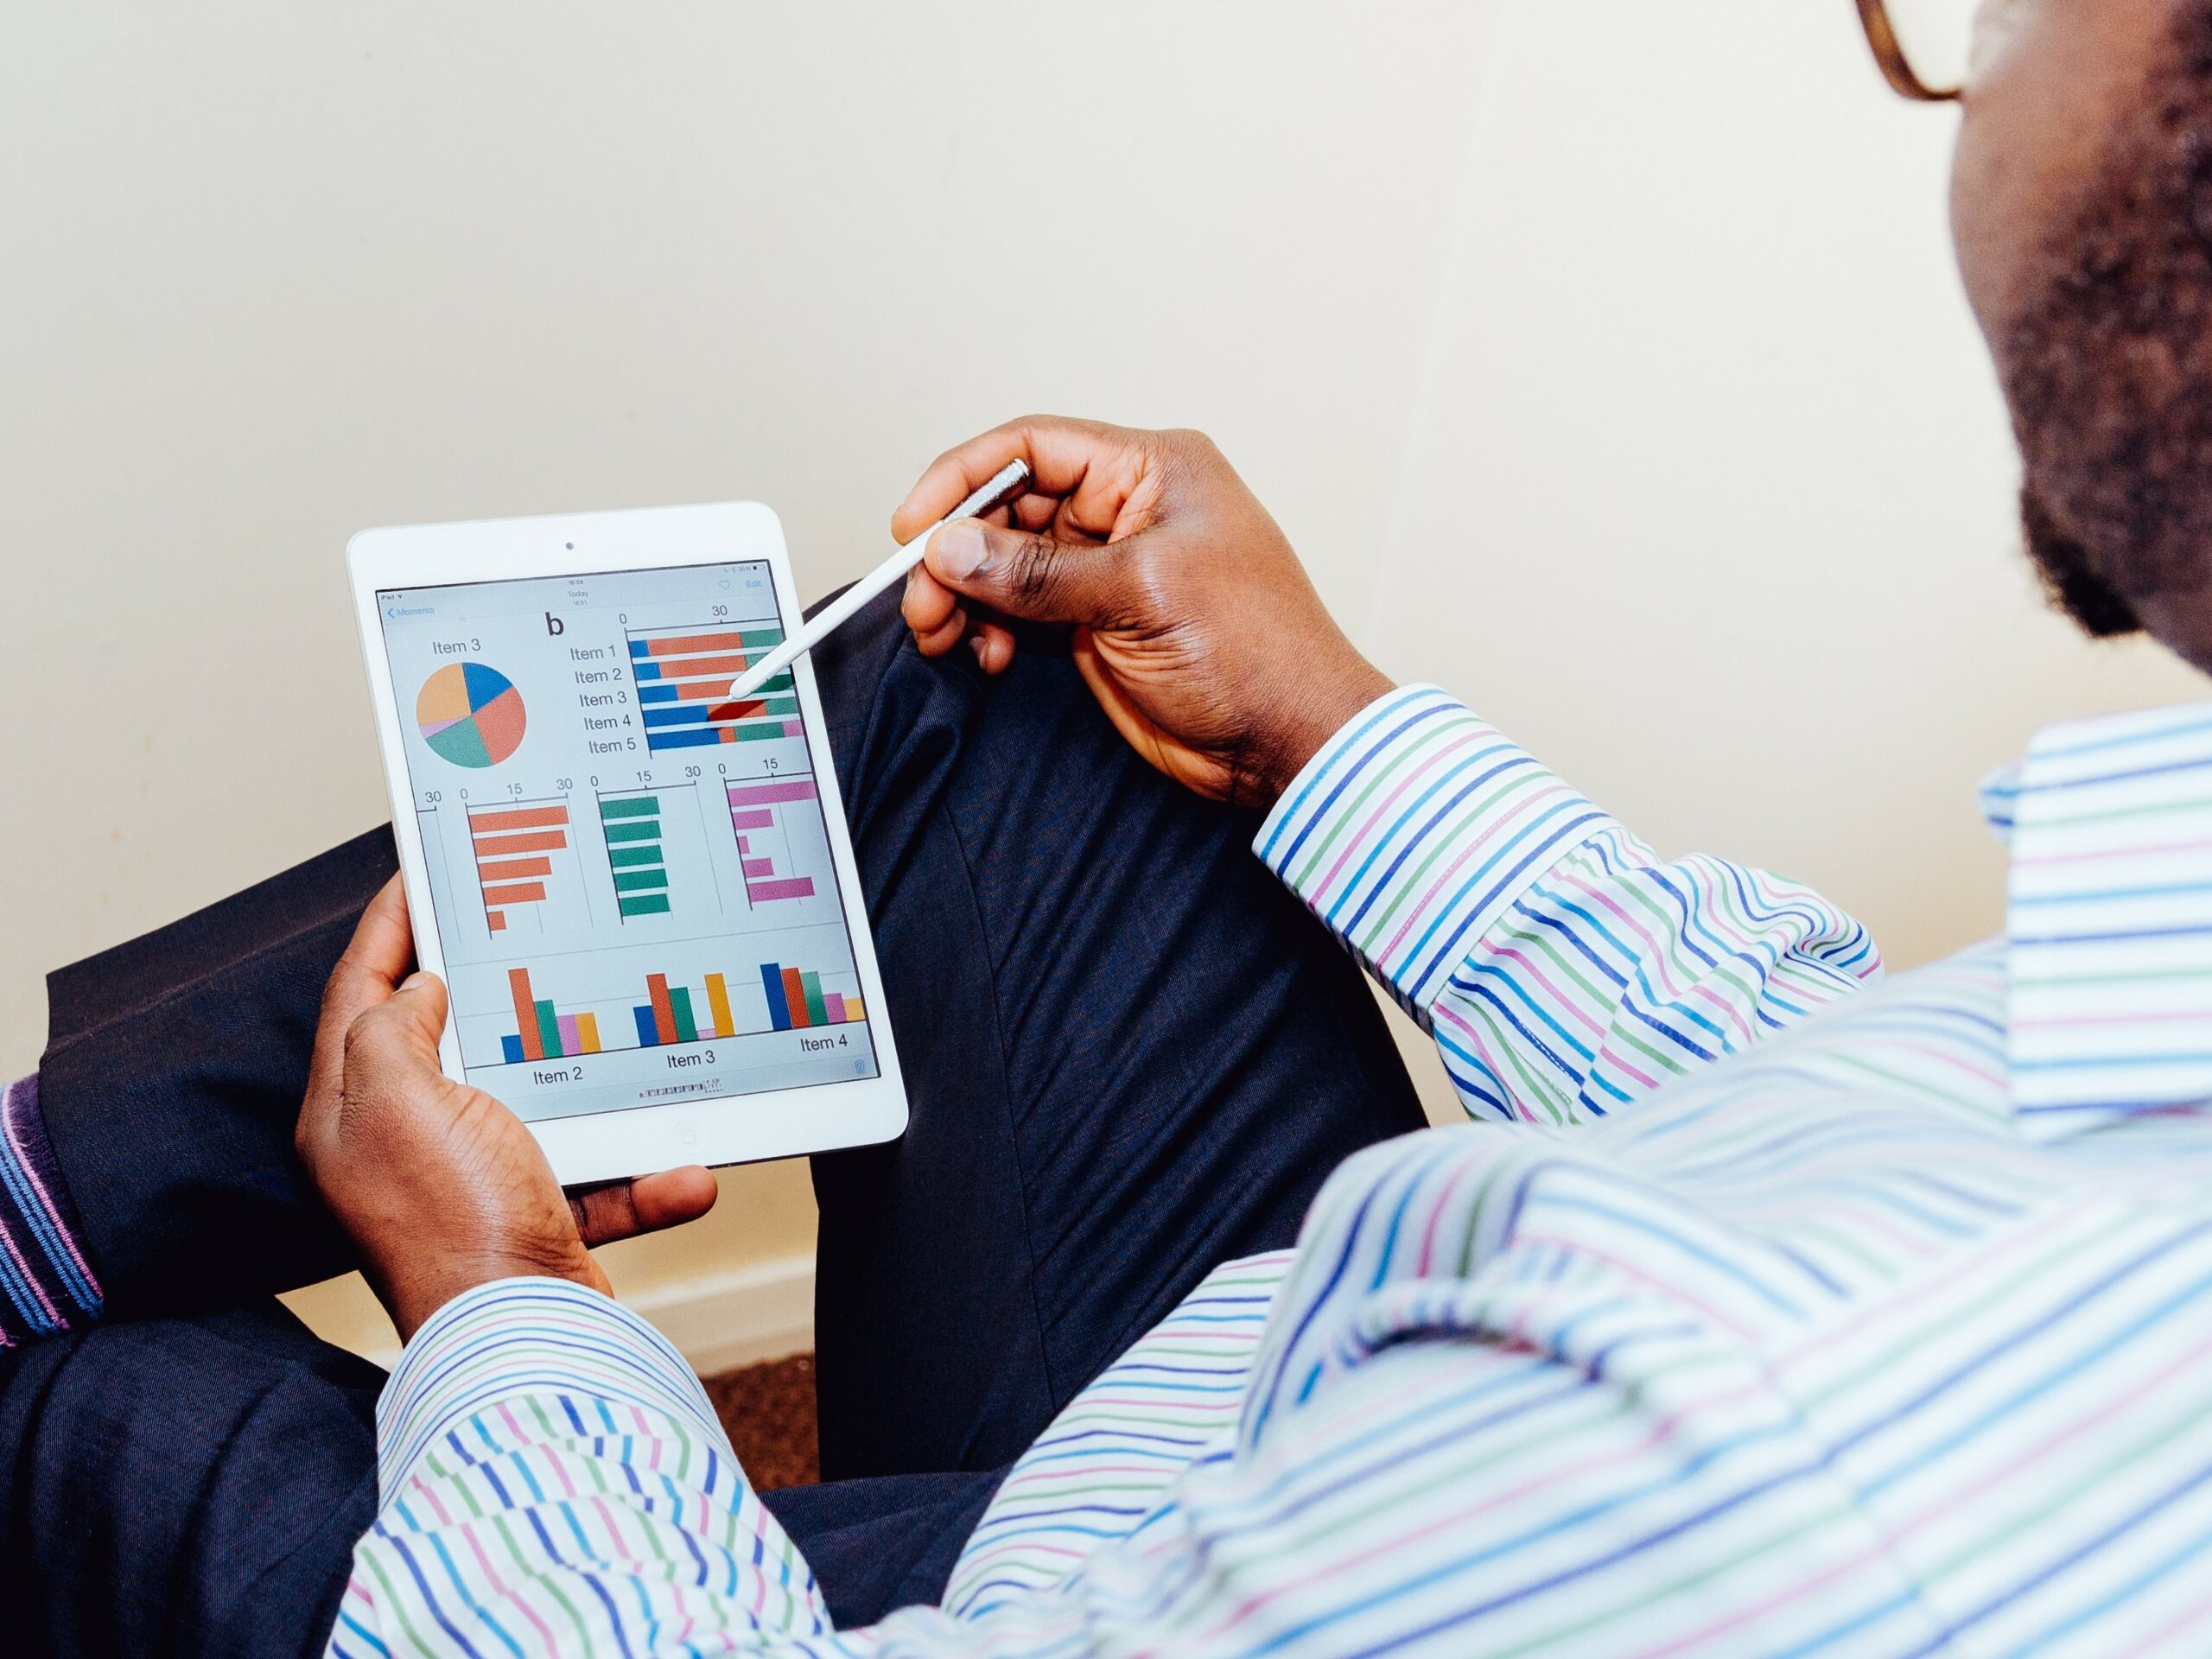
1130,1056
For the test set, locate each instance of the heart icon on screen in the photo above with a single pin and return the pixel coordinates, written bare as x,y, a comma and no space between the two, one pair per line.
723,583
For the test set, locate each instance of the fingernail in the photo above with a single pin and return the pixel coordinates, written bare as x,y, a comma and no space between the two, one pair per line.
975,645
959,550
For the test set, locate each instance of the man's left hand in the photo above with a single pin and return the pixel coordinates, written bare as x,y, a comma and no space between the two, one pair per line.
441,1187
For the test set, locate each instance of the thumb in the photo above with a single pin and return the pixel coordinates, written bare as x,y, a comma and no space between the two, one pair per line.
1029,576
415,1014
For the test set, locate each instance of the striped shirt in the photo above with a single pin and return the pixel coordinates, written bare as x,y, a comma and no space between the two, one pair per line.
1764,1308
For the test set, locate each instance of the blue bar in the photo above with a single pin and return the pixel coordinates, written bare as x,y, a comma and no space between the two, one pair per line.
772,981
511,1048
656,693
691,714
684,737
648,1033
641,648
646,671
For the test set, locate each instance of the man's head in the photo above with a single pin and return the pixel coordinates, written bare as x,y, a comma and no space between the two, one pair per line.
2082,203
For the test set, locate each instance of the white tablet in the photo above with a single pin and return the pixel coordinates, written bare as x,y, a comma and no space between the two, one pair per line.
641,895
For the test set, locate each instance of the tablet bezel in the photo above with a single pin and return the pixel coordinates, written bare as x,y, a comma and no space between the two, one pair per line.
635,1140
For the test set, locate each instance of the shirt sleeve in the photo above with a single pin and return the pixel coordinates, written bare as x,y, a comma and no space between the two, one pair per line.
46,1284
552,1479
1561,966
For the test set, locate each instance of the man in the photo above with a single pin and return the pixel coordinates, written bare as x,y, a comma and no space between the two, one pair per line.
1765,1312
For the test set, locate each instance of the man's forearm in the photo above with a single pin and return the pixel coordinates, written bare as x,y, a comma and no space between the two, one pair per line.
1562,967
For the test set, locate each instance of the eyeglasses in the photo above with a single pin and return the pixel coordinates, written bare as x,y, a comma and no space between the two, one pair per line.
1923,47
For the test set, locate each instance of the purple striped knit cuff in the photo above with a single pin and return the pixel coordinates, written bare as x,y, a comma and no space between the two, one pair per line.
1414,829
46,1284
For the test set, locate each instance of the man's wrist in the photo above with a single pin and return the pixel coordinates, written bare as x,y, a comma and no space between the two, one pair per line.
1322,707
411,1296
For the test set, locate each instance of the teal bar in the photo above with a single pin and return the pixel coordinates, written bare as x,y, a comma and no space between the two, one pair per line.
628,858
643,904
679,1001
640,880
643,830
754,733
780,706
754,638
636,806
548,1030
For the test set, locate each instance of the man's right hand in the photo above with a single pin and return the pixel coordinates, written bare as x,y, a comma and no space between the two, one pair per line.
1193,623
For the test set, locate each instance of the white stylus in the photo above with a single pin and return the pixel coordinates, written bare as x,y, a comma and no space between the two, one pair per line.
1009,482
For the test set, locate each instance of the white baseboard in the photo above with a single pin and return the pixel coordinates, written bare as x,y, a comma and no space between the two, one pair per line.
764,1311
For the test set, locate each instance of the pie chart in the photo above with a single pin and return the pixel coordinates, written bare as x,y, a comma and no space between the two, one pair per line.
470,715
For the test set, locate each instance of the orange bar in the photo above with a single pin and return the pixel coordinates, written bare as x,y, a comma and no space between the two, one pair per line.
521,817
498,919
692,668
663,1010
718,1001
587,1032
503,846
527,893
853,1012
686,643
709,691
533,1046
795,997
515,869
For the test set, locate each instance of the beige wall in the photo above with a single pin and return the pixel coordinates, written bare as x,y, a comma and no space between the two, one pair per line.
1602,358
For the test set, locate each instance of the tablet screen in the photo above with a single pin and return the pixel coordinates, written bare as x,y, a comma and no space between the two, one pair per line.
632,874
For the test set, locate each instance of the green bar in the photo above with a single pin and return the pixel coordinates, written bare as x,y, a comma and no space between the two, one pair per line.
754,734
635,806
628,858
768,687
753,638
548,1030
643,830
679,999
643,904
780,706
640,880
817,1011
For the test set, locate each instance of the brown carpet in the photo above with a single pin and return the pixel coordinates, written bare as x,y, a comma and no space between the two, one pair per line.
769,1412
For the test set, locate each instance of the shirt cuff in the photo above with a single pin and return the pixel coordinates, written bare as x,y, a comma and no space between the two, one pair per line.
521,1336
1414,829
47,1283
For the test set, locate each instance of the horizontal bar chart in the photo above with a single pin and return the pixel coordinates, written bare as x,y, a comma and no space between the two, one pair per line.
512,846
754,809
631,826
683,677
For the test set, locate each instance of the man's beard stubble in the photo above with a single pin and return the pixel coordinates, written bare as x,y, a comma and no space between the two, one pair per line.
2108,369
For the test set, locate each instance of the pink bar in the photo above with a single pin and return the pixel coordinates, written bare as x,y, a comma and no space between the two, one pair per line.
753,820
759,866
793,729
745,843
794,789
797,887
834,1005
571,1042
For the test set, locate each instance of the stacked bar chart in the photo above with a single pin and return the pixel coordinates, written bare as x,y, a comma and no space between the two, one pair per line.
796,1000
631,824
514,847
683,677
755,812
542,1031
